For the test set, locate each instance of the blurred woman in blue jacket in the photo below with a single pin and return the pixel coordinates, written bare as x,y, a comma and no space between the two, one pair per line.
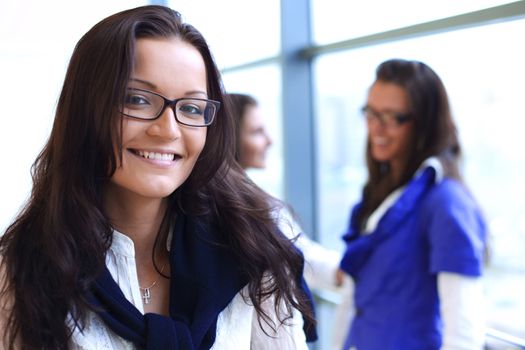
416,240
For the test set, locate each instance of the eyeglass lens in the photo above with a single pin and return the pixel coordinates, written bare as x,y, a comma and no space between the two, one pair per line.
389,119
147,105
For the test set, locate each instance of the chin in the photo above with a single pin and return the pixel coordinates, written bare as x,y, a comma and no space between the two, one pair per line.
381,157
160,190
156,194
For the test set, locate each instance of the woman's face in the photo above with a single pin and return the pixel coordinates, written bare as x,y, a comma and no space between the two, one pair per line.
159,155
389,140
254,140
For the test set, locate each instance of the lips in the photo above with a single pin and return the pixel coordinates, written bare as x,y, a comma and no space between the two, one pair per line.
379,141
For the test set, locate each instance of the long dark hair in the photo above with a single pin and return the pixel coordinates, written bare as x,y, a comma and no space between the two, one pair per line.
239,104
434,130
56,247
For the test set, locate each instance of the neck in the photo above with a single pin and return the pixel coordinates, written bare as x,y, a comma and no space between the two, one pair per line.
139,218
396,170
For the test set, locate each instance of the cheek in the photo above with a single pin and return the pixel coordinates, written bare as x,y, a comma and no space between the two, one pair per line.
261,143
129,128
248,145
404,140
129,132
196,141
375,128
248,151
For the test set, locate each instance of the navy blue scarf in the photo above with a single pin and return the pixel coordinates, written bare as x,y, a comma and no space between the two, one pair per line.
205,277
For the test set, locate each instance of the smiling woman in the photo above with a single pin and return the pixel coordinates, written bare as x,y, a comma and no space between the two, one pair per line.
416,240
141,230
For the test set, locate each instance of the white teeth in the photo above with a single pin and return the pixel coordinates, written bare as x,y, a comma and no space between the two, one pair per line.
157,156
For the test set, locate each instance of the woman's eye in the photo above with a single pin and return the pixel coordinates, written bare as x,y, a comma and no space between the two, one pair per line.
390,118
136,100
191,109
258,131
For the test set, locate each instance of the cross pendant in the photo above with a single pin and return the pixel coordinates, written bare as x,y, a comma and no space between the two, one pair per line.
146,296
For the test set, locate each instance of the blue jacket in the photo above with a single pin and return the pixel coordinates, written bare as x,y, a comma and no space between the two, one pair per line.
433,227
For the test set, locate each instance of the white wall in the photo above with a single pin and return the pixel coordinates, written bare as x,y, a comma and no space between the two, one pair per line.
36,41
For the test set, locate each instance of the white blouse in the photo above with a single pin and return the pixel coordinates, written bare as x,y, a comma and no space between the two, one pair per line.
237,325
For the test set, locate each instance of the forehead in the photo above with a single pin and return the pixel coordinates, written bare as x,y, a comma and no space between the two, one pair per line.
388,97
170,64
252,116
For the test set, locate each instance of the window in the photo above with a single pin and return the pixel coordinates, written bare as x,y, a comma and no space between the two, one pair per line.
335,20
237,31
242,32
267,91
483,72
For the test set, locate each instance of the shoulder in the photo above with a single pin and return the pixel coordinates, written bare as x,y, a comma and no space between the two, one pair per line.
238,323
239,327
449,195
449,186
286,222
450,189
450,201
282,330
234,324
456,229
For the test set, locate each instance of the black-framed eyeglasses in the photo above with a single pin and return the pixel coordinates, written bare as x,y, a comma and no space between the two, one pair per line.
149,105
388,119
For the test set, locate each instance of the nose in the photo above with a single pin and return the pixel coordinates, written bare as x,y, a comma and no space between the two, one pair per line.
269,140
165,126
375,125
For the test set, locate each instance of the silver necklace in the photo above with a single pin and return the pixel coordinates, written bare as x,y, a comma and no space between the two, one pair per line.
146,291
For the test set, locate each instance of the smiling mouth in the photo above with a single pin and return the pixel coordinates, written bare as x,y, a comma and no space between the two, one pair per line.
379,141
156,155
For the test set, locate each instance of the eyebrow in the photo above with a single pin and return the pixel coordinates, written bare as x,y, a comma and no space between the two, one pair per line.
151,85
388,110
155,88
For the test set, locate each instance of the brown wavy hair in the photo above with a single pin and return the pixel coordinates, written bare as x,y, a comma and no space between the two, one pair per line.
435,132
56,247
239,104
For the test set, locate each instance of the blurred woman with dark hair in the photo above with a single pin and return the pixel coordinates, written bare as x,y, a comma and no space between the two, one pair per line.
321,264
141,230
416,240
